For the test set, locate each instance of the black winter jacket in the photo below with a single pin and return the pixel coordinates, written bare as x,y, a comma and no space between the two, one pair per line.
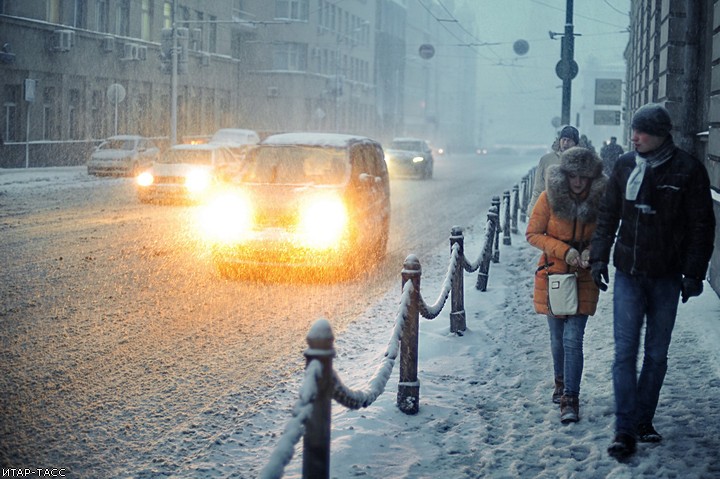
675,232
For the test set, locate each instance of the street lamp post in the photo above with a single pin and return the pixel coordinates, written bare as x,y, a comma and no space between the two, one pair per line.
174,80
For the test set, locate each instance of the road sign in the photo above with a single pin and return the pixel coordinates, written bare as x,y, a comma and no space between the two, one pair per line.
115,93
608,91
521,47
30,89
606,117
566,70
426,51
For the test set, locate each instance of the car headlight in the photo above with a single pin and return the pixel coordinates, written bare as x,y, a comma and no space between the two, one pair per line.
198,181
145,179
226,218
323,221
418,159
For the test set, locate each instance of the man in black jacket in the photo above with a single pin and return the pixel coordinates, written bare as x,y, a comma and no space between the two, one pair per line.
659,198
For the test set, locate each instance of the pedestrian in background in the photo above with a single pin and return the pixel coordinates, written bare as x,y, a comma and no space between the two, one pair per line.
567,138
561,226
659,198
586,143
609,153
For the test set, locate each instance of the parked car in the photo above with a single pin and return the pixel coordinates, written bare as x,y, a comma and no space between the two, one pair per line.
315,202
186,173
122,155
238,140
410,157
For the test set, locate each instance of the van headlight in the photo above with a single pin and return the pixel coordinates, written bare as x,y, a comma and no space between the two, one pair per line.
145,179
198,181
323,222
226,218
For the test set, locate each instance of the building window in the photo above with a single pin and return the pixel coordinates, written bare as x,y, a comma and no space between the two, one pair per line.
167,15
101,16
146,20
73,119
292,9
80,14
48,121
290,56
212,47
122,18
52,11
12,98
97,114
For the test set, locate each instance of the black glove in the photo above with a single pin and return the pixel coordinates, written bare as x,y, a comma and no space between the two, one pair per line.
691,287
599,271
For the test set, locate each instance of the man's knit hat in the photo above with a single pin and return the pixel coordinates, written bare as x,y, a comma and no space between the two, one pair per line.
652,119
571,132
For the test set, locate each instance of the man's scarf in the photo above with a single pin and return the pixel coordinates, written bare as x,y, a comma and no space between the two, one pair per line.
654,159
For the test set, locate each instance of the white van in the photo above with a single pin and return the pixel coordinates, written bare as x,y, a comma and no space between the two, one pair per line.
238,140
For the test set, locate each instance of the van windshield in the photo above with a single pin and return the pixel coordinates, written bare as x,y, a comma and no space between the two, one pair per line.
127,145
194,157
297,165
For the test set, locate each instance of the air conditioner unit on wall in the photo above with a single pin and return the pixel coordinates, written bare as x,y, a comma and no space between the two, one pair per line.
108,44
130,52
63,40
142,52
273,91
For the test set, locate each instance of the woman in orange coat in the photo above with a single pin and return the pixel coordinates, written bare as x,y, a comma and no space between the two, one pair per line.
561,225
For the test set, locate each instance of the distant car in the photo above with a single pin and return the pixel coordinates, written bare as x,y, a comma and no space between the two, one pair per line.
122,155
238,140
186,173
316,202
410,157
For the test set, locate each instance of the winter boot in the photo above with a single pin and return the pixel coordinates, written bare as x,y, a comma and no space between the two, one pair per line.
569,409
622,447
647,433
558,391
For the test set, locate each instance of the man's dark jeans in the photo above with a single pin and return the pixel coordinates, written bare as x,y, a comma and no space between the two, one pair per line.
638,299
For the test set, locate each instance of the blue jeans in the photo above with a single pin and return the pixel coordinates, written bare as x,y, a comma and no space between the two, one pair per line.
566,346
638,300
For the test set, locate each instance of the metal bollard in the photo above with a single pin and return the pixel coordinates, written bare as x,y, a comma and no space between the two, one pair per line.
525,198
507,239
496,242
457,299
487,252
408,396
316,442
515,208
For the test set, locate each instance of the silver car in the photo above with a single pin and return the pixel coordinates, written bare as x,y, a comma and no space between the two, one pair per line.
122,155
186,173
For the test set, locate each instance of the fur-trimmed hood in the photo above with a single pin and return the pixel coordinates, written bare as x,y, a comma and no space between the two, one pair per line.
563,203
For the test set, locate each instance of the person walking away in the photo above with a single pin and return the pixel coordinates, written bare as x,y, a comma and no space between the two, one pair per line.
567,138
609,153
659,198
561,226
586,143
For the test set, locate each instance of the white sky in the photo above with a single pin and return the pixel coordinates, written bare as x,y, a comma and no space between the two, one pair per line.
525,91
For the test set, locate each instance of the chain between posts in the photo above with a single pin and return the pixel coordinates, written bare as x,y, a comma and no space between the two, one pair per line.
312,411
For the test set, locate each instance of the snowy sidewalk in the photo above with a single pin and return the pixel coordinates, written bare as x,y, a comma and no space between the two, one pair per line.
485,408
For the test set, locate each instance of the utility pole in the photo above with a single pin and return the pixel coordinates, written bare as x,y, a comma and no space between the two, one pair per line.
566,69
174,81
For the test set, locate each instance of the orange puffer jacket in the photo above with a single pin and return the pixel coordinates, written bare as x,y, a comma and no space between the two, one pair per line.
554,229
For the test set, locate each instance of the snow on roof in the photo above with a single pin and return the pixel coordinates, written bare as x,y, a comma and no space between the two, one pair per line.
197,146
335,140
125,137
